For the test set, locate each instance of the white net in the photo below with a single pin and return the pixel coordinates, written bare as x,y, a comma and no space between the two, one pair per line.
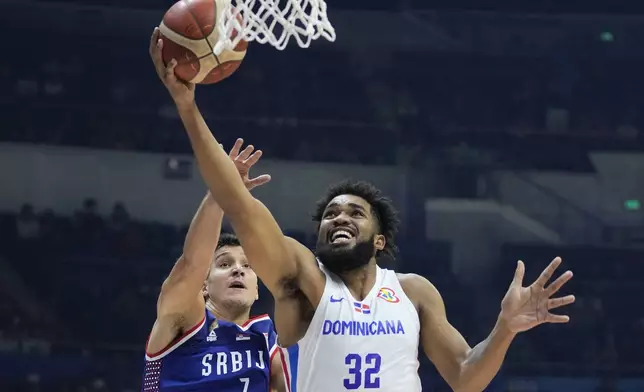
266,21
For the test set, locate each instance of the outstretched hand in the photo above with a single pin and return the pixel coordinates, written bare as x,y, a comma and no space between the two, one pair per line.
181,92
524,308
246,159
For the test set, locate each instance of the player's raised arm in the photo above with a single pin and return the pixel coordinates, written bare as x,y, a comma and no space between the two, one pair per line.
274,258
181,305
472,369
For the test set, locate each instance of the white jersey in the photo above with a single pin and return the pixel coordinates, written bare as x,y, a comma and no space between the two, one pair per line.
369,345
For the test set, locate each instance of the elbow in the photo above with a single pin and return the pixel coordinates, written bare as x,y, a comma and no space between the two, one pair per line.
465,380
463,386
468,383
469,388
192,258
179,271
457,383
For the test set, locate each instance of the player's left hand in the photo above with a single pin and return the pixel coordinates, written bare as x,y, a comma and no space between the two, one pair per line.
183,93
246,159
524,308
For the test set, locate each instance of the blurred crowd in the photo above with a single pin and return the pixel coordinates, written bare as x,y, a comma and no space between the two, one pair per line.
507,104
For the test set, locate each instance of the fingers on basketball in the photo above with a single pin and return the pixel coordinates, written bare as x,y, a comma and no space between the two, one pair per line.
156,46
169,70
190,31
154,42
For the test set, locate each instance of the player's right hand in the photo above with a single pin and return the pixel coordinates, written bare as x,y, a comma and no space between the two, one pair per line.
246,159
182,92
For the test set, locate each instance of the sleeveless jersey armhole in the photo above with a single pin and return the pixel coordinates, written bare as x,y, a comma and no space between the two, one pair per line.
176,343
409,304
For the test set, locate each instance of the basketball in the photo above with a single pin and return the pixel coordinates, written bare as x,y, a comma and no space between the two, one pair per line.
189,33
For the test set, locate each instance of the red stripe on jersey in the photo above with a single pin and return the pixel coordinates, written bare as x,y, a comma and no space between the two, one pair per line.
287,376
177,340
253,319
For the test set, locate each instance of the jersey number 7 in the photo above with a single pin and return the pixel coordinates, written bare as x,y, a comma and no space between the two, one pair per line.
368,379
245,381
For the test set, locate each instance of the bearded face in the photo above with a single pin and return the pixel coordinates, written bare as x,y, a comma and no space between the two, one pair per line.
347,238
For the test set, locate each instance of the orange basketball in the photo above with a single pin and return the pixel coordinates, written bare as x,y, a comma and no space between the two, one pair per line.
189,33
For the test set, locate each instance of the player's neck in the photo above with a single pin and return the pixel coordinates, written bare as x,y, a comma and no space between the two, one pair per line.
360,281
238,317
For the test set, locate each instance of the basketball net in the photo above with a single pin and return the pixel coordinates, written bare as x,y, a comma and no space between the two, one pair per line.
264,21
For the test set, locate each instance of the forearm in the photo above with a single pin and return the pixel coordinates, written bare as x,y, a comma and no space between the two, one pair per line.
484,361
203,233
185,280
180,304
217,170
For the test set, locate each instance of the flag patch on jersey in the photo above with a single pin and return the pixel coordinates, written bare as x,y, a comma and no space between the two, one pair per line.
361,308
241,336
388,295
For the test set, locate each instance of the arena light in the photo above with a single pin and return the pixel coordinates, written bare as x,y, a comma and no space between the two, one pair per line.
606,36
632,205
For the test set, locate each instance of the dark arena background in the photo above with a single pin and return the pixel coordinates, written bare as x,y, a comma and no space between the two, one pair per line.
501,130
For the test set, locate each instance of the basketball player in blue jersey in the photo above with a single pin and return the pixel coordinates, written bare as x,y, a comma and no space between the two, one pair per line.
203,339
345,323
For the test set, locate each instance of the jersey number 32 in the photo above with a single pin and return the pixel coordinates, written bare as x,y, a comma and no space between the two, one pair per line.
363,372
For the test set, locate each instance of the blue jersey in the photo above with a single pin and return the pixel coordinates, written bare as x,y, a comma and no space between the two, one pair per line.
215,355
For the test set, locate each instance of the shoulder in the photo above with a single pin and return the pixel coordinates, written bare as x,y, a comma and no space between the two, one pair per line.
300,252
156,349
422,293
415,282
262,321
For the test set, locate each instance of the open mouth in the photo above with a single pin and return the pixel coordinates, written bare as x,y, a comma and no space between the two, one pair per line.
237,285
341,235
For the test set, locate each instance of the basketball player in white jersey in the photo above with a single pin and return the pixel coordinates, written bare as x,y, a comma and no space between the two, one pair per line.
345,323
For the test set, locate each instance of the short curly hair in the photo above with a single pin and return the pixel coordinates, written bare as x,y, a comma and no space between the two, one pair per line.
382,209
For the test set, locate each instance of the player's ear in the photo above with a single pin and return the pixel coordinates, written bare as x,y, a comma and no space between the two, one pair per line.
379,242
257,293
204,290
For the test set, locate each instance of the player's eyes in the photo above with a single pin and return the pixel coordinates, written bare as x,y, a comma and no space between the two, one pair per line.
328,215
246,265
357,213
223,265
